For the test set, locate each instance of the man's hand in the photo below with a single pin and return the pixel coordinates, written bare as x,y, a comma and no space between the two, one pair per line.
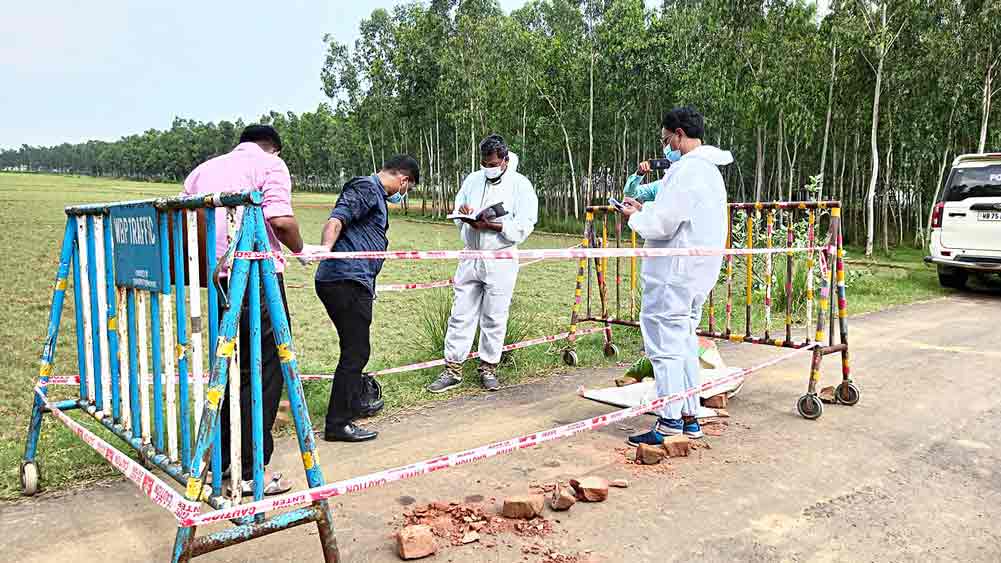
630,206
644,168
483,225
308,250
465,209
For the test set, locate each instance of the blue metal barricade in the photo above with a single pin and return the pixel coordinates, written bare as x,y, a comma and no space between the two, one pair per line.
137,290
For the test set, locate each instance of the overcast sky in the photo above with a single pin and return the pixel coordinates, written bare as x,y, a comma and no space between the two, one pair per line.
76,70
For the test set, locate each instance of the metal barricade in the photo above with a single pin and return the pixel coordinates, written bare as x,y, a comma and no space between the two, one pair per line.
137,276
749,220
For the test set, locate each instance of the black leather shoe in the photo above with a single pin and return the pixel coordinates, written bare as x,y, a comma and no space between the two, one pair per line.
350,432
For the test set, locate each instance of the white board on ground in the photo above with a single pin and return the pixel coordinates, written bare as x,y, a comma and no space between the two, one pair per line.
632,395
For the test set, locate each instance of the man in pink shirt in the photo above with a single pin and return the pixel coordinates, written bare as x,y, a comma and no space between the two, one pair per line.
254,165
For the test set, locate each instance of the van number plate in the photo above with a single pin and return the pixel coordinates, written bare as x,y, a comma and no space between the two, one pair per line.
990,216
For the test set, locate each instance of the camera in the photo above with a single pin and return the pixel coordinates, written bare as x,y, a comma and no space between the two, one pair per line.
659,164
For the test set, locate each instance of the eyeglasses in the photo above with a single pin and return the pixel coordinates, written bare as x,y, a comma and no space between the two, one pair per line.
664,141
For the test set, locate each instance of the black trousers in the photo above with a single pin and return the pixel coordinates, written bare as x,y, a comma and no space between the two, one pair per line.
349,305
272,383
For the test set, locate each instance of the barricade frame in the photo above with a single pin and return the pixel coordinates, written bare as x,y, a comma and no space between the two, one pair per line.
114,383
832,276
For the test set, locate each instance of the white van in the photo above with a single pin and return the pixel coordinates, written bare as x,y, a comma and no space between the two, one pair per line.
966,221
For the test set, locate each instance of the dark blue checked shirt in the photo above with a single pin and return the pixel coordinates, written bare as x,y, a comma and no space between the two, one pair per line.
362,211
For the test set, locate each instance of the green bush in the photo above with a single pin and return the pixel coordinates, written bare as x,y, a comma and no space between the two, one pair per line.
436,307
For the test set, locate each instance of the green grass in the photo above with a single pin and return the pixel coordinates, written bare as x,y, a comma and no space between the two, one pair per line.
33,222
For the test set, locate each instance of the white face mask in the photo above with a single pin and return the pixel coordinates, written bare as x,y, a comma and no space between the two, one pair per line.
492,173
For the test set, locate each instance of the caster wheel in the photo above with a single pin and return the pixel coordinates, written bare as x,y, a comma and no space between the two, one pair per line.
29,478
810,407
611,350
847,393
570,358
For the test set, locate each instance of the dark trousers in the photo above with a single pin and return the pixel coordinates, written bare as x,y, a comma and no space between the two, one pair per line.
349,305
272,383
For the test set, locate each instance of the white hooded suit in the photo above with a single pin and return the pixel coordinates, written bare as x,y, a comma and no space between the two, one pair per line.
690,210
483,288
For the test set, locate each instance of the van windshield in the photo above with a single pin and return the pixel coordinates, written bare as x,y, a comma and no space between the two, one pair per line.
984,181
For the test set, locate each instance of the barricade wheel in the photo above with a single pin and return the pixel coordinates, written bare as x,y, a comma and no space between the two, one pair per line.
810,407
611,350
570,358
29,478
847,393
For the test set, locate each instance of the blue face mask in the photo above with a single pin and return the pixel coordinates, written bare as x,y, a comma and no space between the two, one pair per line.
673,156
396,198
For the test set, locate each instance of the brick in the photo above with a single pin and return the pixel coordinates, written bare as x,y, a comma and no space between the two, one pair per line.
470,537
677,446
827,395
620,483
414,542
562,499
523,507
650,455
590,489
715,402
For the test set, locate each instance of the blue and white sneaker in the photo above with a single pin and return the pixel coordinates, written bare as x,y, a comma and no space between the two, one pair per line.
651,438
692,429
669,427
655,437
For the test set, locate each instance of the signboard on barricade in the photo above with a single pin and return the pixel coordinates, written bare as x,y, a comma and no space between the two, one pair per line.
137,247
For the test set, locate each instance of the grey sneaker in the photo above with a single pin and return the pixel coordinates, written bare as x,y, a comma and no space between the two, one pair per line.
488,376
451,377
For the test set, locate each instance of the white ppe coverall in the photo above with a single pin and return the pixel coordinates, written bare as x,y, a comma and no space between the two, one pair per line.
483,288
689,211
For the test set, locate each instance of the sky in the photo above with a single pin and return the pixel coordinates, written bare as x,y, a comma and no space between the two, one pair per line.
72,70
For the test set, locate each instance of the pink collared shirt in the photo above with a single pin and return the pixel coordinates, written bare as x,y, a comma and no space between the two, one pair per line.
247,167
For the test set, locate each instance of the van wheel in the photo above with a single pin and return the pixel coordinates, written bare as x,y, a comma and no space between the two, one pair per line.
952,278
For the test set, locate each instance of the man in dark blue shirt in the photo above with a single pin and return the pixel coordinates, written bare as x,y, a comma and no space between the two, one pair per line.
358,222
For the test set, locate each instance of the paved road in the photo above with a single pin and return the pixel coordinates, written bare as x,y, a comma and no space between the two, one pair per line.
912,473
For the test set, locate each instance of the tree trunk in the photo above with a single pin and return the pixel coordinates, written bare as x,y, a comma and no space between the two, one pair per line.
985,105
945,161
759,167
590,134
792,165
472,138
870,227
371,150
827,122
888,189
780,141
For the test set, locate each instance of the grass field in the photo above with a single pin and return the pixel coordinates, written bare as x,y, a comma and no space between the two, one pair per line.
32,222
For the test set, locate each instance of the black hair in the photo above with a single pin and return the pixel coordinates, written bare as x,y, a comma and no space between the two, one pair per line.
406,164
493,144
259,133
688,119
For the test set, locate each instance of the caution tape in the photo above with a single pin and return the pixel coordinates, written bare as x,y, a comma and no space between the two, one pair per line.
531,254
426,285
439,463
162,494
187,512
441,362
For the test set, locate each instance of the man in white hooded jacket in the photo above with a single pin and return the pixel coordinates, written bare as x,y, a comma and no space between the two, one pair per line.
483,288
690,210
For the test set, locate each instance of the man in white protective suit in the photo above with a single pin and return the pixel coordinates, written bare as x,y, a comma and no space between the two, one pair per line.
689,211
504,210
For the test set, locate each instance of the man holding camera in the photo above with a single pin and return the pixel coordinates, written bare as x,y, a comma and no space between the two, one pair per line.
690,210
